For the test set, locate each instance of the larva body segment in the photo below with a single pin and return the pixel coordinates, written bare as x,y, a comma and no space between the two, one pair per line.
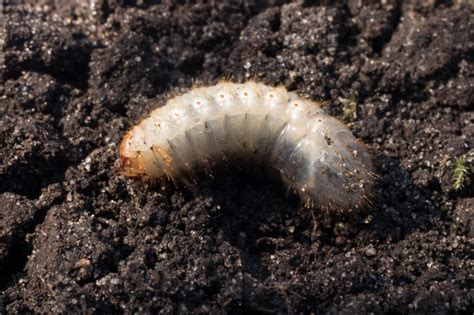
316,155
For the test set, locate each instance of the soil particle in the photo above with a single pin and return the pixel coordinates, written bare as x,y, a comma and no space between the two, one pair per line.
78,237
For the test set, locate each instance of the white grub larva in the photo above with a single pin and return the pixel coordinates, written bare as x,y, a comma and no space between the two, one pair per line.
316,155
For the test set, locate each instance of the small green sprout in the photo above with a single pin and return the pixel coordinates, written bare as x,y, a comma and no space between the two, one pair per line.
462,169
349,107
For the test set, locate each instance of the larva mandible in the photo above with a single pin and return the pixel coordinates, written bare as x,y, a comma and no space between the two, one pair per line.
316,154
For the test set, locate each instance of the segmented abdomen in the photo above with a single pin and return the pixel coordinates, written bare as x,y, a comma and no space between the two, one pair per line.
315,154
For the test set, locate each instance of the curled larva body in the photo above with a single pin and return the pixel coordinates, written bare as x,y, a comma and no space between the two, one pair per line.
316,155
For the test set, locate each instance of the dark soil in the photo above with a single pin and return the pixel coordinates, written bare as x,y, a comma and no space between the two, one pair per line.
76,236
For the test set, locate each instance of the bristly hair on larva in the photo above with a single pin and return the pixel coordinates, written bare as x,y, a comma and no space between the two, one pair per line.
316,155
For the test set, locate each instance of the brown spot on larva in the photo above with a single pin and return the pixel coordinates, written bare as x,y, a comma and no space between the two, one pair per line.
328,139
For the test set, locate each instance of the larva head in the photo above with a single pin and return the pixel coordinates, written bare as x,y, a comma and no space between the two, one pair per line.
140,155
131,163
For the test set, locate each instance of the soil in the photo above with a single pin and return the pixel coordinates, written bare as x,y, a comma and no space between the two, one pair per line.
78,237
